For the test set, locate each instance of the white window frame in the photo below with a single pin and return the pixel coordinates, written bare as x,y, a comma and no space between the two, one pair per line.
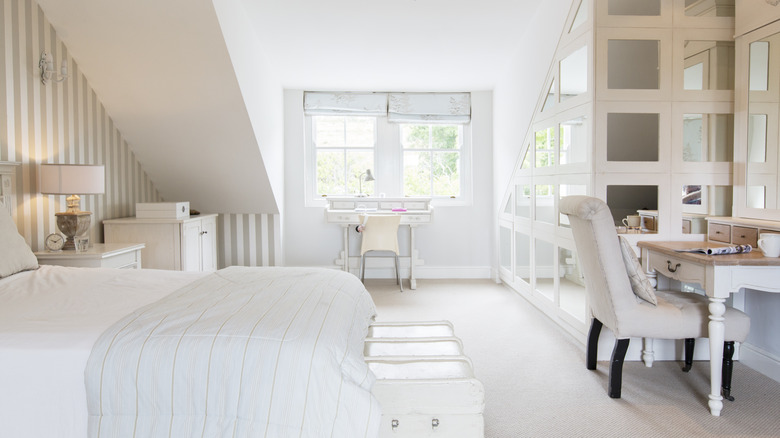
388,165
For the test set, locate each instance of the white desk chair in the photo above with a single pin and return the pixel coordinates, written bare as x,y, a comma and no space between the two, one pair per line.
380,233
622,298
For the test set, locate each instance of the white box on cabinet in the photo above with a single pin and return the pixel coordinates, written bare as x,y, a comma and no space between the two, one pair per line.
162,210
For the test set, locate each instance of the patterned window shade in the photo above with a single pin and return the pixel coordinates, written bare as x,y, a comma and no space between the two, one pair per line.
344,104
449,108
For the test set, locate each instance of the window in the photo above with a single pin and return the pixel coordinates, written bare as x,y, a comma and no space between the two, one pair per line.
431,159
414,144
344,148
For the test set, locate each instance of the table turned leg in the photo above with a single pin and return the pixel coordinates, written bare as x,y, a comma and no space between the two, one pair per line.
717,330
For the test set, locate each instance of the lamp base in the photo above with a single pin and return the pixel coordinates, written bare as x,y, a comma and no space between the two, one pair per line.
73,224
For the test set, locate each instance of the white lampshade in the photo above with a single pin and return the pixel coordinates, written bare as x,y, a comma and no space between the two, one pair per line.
72,179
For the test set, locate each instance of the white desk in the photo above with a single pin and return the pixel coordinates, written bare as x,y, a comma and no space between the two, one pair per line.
345,212
719,276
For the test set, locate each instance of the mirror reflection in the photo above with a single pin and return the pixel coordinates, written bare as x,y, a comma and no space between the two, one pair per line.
574,141
762,182
523,256
571,284
634,7
708,137
544,147
709,65
625,203
545,208
570,190
699,202
544,271
632,136
505,244
633,64
709,8
574,74
523,200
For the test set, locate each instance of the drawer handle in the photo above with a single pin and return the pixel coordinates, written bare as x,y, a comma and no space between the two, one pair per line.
203,232
394,423
434,423
718,232
670,268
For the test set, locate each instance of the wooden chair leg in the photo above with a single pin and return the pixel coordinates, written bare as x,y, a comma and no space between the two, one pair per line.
690,343
593,343
728,367
616,367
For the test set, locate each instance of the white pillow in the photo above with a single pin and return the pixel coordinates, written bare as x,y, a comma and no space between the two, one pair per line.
15,255
639,282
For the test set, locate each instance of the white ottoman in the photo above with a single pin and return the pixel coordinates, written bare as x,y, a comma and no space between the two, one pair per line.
424,383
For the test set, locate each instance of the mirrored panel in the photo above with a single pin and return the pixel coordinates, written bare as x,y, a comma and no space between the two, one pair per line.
523,256
709,8
756,143
544,147
708,137
505,244
701,201
544,270
762,184
571,284
708,65
573,138
523,200
625,203
508,206
570,190
527,159
633,64
574,74
634,7
581,17
545,203
632,136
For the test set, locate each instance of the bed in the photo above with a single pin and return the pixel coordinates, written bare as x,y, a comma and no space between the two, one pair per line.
241,352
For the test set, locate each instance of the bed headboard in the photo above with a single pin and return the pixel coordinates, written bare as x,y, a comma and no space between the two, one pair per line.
7,186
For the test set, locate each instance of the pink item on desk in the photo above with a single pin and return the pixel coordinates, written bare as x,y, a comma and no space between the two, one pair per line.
399,209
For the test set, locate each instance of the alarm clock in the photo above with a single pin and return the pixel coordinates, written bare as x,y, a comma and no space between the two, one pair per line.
54,242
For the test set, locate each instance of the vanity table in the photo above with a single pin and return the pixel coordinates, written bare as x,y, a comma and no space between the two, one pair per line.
414,212
719,276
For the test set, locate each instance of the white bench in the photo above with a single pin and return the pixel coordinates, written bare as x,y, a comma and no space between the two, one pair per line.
425,384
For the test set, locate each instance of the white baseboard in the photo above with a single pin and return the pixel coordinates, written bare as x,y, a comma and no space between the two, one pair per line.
762,361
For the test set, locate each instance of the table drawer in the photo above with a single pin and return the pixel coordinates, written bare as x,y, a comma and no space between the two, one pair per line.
677,269
128,260
744,236
720,232
686,226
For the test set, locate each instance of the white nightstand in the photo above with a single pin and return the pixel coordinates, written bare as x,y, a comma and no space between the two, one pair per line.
100,255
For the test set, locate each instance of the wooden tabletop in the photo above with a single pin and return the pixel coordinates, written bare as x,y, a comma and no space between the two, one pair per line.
753,258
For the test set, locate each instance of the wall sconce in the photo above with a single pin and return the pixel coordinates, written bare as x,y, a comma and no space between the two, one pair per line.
46,64
368,177
72,180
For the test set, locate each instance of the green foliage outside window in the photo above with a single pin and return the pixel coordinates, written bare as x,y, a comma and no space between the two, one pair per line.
431,160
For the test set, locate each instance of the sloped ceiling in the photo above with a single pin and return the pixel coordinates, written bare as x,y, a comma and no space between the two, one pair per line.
165,75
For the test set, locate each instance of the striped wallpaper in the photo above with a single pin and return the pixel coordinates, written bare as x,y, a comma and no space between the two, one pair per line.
66,123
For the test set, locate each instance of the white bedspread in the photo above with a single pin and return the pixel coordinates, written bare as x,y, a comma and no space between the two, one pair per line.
244,352
49,320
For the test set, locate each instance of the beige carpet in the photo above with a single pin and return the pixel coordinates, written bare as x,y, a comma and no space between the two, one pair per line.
536,383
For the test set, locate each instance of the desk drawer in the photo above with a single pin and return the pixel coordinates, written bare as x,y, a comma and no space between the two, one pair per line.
744,236
677,269
720,232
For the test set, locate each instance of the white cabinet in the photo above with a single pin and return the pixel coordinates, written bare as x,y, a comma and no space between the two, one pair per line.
175,244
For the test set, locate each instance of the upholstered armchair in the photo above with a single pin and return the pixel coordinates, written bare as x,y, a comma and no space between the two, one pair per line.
622,299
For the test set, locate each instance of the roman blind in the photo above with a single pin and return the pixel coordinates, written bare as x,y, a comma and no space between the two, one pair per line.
446,108
449,108
344,104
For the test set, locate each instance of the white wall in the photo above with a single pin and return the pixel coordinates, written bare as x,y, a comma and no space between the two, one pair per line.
515,97
458,244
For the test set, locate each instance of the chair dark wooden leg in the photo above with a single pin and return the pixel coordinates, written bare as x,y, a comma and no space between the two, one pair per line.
398,273
728,367
616,367
363,268
593,343
689,344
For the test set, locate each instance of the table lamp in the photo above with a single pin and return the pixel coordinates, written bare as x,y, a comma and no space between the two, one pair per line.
365,176
72,180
